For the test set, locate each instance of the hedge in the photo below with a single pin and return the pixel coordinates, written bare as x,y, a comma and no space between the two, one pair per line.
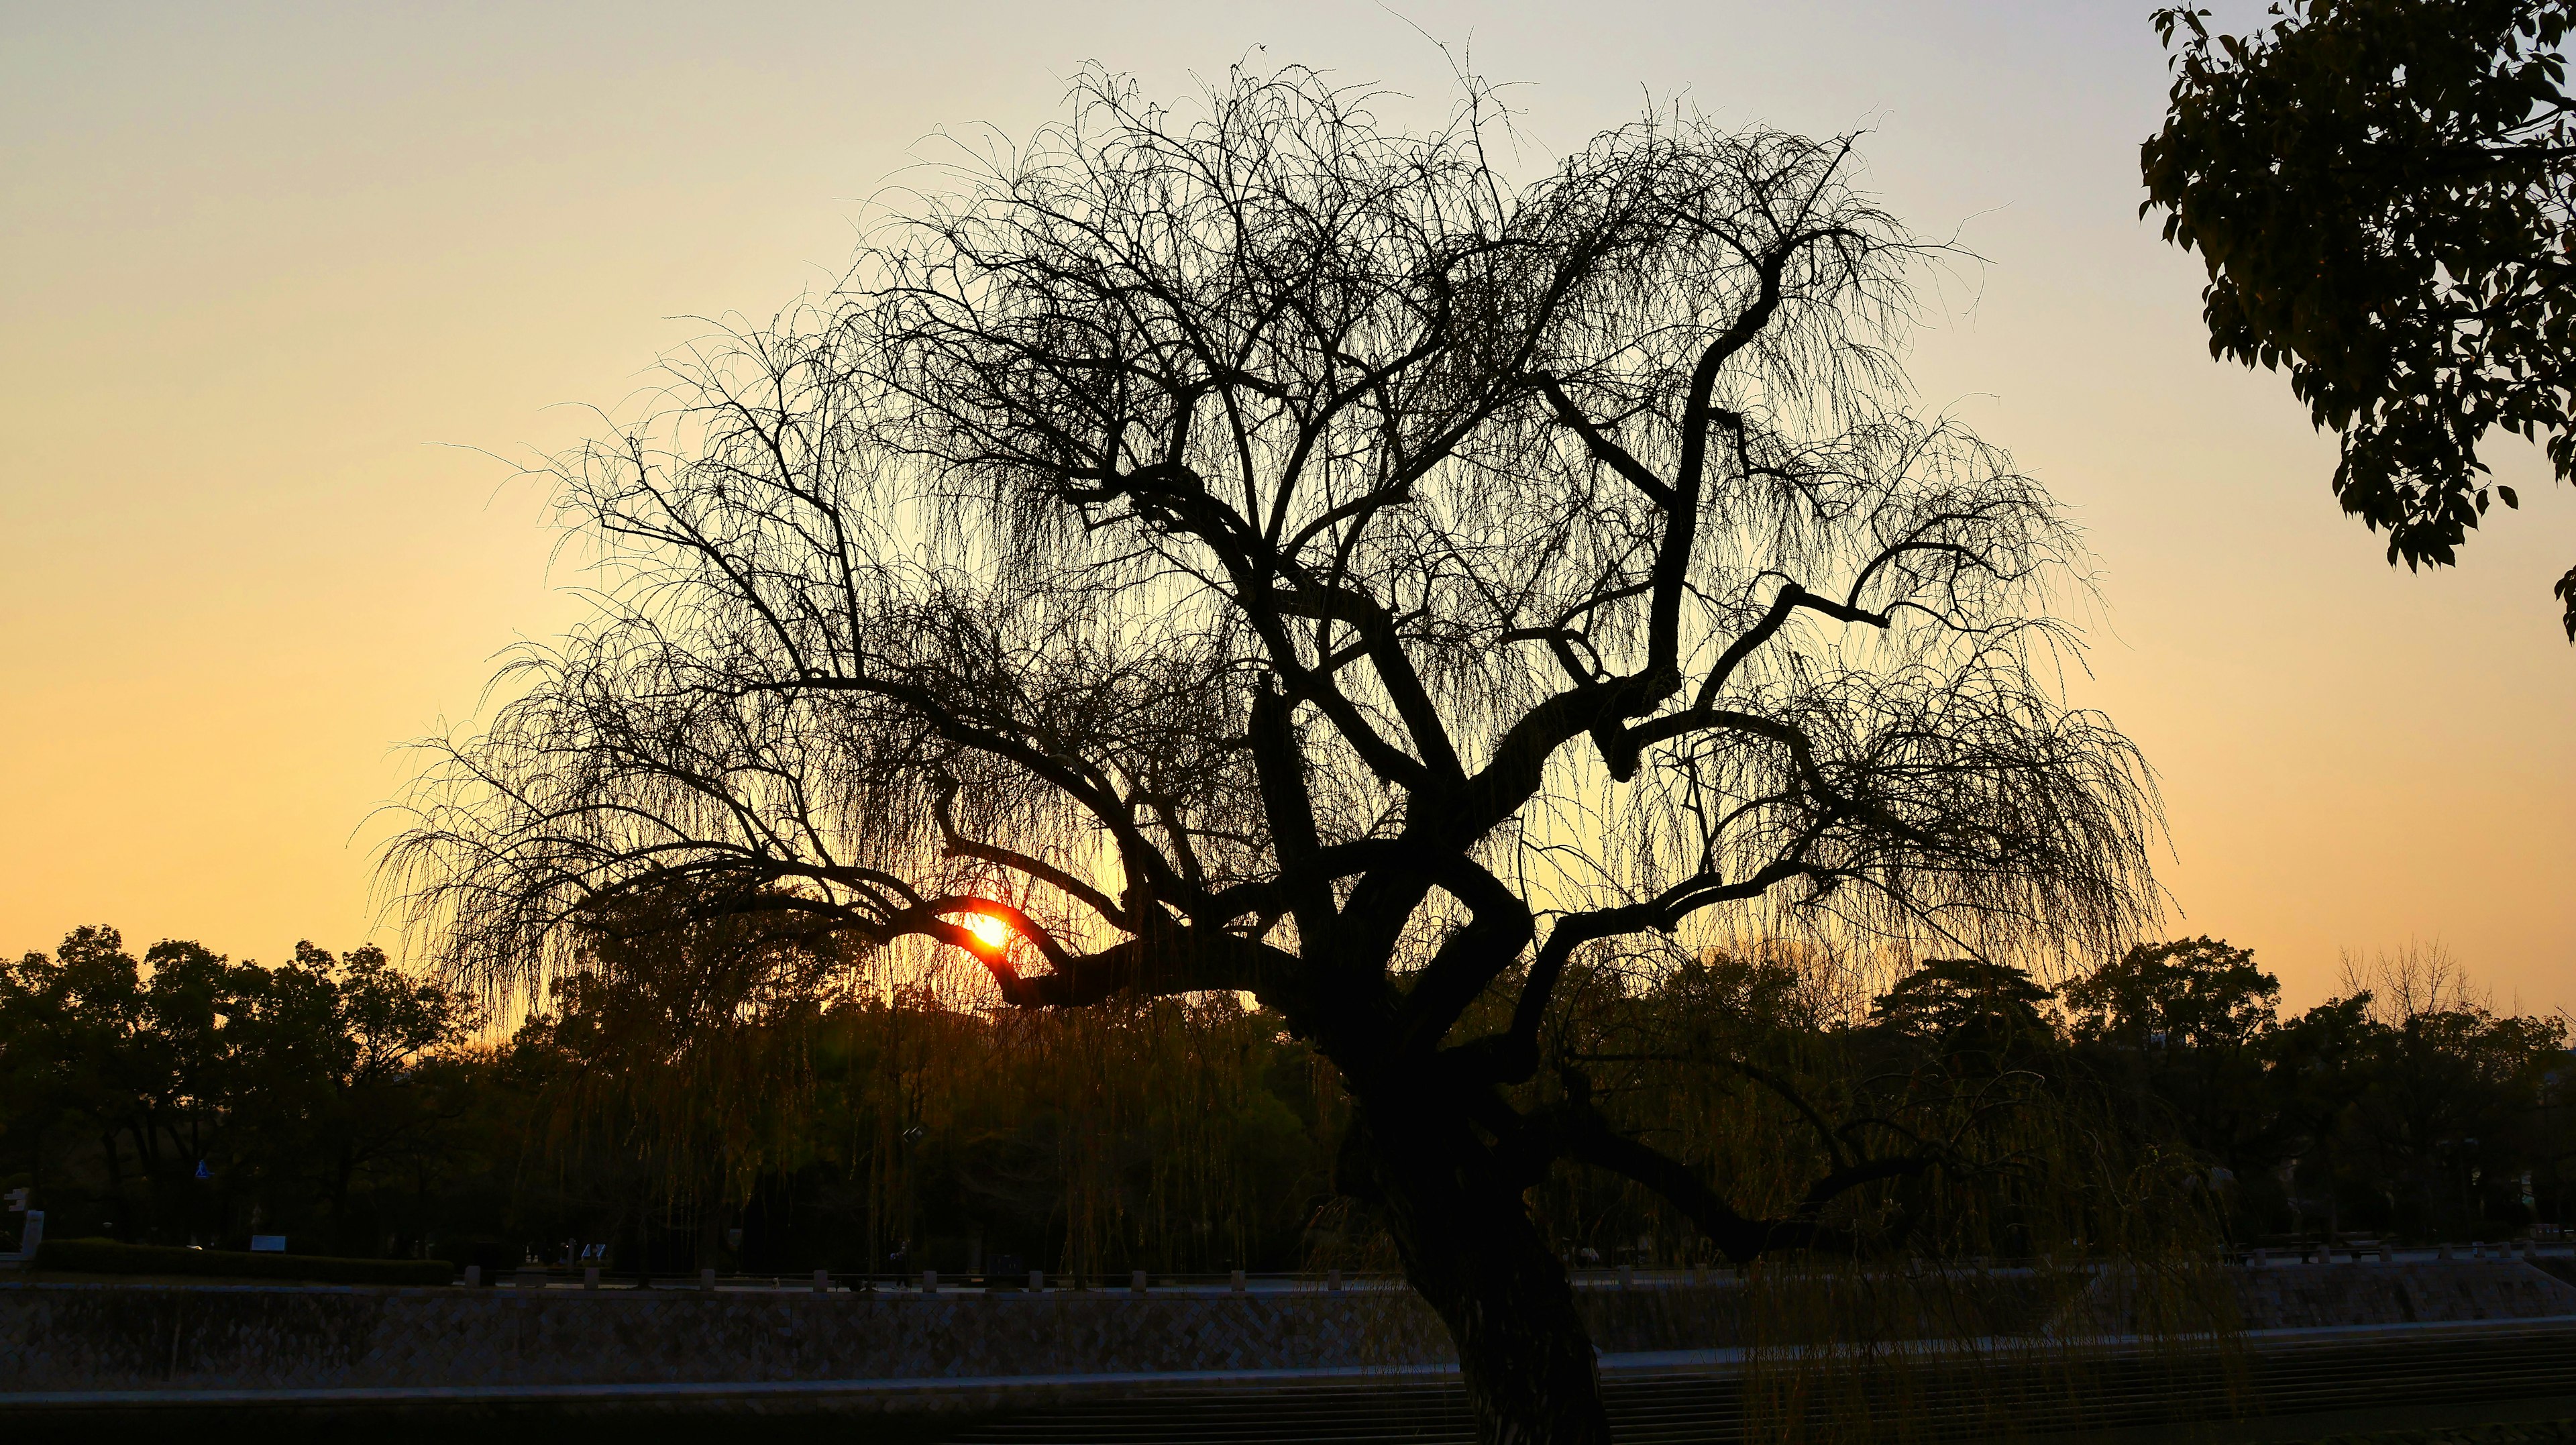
106,1256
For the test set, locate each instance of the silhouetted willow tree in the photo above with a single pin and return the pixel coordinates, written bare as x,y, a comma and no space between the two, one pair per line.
690,1032
1259,549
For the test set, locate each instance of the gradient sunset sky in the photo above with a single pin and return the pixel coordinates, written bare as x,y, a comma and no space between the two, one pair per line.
286,291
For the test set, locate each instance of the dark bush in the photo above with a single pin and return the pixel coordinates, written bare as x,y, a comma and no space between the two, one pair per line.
107,1256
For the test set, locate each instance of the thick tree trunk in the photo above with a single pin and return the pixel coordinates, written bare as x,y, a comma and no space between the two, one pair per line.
1470,1248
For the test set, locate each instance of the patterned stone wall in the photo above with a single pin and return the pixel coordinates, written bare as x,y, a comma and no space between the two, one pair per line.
2326,1295
118,1337
90,1337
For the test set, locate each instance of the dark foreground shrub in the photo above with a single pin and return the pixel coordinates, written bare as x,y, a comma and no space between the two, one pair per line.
106,1256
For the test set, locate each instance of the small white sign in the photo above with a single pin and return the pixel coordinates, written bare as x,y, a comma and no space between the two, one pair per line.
269,1243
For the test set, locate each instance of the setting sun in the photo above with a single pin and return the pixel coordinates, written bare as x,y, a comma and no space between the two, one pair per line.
992,932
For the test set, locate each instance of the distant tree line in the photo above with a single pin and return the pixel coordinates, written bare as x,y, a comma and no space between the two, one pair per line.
182,1097
720,1095
673,1117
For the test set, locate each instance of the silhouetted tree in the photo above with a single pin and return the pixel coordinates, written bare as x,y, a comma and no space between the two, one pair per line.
137,1051
328,1056
687,1034
2382,190
1966,1006
2187,993
2444,1099
2190,1024
285,1084
1276,553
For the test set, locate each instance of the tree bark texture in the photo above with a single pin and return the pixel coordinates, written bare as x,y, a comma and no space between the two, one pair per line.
1469,1247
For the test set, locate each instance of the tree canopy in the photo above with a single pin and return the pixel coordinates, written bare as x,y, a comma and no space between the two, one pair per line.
2382,191
220,1085
2195,991
1250,547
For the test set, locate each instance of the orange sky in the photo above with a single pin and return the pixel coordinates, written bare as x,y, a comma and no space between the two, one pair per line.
282,289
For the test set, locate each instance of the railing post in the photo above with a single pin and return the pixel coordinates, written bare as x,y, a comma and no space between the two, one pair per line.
1236,1283
1136,1281
1037,1281
822,1281
31,1231
590,1276
1333,1281
930,1281
706,1281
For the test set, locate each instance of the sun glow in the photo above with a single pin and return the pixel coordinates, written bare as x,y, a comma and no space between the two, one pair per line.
989,931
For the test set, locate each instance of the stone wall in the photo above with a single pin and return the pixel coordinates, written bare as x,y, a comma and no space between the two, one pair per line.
2327,1295
127,1337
